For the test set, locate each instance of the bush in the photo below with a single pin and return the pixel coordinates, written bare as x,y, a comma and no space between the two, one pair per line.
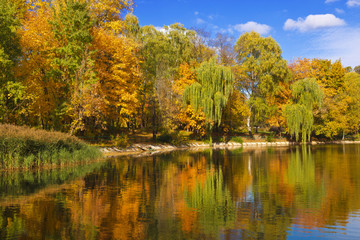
24,147
175,138
121,140
237,140
355,137
165,138
270,137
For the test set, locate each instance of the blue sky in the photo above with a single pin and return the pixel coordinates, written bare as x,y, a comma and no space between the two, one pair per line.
304,28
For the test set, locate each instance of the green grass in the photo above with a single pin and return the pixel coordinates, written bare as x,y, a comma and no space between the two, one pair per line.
237,139
24,147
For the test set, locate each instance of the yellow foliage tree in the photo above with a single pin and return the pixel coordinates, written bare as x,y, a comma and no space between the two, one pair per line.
189,119
330,120
38,45
117,66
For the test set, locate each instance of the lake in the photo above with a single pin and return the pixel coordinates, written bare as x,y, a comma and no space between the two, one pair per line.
251,193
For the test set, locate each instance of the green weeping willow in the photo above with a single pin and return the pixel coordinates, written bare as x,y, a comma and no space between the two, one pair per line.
211,91
306,93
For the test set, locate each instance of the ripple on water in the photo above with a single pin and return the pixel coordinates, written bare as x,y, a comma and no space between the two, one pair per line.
345,229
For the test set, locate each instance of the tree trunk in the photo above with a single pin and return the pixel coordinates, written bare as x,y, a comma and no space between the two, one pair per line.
154,122
249,126
248,123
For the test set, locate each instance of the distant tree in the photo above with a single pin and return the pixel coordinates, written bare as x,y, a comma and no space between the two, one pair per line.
223,44
201,42
357,69
352,95
348,69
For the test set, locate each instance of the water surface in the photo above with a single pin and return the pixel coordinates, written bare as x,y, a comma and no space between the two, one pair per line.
260,193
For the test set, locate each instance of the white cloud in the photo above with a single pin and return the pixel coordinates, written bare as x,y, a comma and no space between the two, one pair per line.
196,13
262,29
330,1
337,44
160,29
340,11
200,21
353,3
313,22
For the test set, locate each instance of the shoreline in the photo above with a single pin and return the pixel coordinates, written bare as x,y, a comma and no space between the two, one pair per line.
151,149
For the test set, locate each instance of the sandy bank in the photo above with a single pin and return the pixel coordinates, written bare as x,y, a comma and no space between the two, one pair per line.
159,148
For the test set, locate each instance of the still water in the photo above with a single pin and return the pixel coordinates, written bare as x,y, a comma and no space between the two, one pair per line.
262,193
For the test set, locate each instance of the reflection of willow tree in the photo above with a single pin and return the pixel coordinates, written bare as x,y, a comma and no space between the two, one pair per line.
213,203
301,175
10,224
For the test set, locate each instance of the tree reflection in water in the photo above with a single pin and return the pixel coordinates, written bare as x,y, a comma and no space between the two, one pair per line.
245,194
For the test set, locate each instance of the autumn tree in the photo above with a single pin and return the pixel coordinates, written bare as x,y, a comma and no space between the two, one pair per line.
259,71
188,118
117,67
235,112
352,92
330,119
44,91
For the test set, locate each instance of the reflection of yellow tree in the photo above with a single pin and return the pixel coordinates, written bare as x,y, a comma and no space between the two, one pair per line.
117,216
184,174
340,173
237,174
192,196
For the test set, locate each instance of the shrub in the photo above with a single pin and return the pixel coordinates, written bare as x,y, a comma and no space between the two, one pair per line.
270,137
165,138
237,140
121,140
175,138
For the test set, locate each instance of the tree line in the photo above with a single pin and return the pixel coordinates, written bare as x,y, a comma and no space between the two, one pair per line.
86,67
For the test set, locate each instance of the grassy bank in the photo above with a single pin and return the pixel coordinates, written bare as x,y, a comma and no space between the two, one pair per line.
24,147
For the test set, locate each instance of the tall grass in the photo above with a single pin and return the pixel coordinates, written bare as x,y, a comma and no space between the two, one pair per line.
24,147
